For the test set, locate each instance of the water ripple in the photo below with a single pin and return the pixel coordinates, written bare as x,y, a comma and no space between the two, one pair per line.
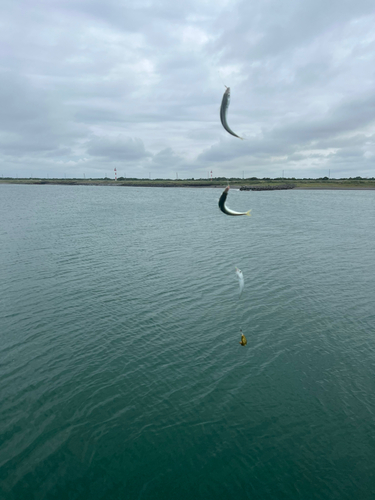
121,373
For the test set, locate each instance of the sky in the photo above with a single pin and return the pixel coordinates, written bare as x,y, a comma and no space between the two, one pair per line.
87,86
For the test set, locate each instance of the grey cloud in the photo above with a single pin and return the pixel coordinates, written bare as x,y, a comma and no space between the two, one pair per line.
343,141
347,154
32,121
268,28
95,114
117,149
167,158
226,150
349,116
79,79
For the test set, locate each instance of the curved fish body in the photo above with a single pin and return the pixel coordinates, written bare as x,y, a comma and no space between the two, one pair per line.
223,113
227,210
240,279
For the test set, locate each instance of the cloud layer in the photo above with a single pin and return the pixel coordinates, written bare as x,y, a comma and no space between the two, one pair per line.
87,86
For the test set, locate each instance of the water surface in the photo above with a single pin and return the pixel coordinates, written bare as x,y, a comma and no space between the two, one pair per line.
121,373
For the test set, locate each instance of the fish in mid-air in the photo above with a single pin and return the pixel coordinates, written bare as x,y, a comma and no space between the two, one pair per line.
240,279
227,210
223,113
243,339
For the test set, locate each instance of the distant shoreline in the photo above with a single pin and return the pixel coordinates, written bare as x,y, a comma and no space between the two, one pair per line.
244,184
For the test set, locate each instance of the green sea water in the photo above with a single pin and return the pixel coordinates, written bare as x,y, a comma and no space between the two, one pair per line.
121,373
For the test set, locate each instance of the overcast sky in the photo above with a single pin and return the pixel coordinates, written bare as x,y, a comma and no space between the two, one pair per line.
87,86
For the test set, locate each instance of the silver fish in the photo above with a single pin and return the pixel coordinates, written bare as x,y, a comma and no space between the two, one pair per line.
227,210
223,112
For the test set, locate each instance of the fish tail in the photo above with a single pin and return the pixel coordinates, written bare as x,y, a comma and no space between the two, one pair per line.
248,213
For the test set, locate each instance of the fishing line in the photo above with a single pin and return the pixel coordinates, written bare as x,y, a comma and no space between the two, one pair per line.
221,79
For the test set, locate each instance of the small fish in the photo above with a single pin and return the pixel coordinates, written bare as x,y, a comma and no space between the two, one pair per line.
223,113
227,210
243,339
240,279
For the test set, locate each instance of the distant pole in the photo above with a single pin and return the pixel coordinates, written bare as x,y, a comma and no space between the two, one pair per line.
177,175
115,174
211,175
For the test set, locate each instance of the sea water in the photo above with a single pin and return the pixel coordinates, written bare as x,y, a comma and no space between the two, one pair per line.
121,373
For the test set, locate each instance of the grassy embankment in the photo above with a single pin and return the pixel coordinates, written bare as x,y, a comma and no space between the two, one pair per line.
322,183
